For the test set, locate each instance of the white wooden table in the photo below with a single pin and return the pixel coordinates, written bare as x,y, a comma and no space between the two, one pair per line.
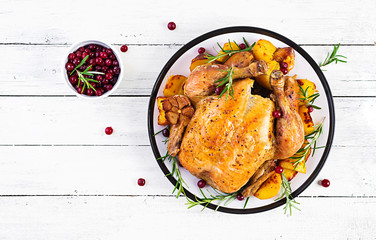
61,177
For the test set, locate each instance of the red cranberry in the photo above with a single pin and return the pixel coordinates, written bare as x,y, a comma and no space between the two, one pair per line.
108,87
99,92
92,47
98,68
242,46
325,183
111,71
91,54
310,109
99,61
90,92
201,183
166,132
108,51
124,48
103,55
93,85
284,65
105,81
92,62
73,80
84,54
141,182
219,90
277,114
104,68
81,49
278,169
96,54
79,90
240,197
108,130
98,48
171,25
113,81
115,63
116,70
201,50
79,54
108,76
112,57
284,70
108,62
76,61
87,50
71,56
82,68
99,77
69,66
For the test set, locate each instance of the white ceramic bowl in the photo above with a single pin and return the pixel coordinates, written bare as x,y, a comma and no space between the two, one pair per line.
73,48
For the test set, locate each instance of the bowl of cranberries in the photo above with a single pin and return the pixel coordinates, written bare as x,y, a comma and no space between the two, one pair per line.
92,69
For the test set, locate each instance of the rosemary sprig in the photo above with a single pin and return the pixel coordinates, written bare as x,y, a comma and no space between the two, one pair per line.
290,201
333,57
230,52
224,199
155,134
227,83
309,99
175,171
81,75
302,153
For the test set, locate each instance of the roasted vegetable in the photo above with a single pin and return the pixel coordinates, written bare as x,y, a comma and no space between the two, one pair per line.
227,46
307,120
289,163
178,108
264,79
174,85
270,187
305,83
264,50
286,55
289,174
198,61
162,114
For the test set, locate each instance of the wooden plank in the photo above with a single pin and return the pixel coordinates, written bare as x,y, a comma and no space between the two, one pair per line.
325,22
60,120
115,217
114,170
142,65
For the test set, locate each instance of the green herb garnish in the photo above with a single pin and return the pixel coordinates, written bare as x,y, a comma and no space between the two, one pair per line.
227,83
290,201
333,57
82,75
230,52
309,99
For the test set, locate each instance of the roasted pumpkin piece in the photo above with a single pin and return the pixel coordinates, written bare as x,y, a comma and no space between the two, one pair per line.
162,114
289,163
264,79
264,50
227,46
306,85
174,85
178,108
270,187
307,120
289,174
199,60
286,55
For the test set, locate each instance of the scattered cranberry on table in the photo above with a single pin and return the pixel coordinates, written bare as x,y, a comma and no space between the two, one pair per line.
325,183
102,60
242,46
201,183
124,48
277,114
108,130
278,169
171,25
141,182
240,197
310,109
201,50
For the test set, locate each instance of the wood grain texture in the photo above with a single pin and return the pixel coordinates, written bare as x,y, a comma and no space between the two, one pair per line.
44,77
145,22
128,217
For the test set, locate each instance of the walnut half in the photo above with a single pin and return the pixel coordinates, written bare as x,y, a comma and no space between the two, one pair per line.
178,108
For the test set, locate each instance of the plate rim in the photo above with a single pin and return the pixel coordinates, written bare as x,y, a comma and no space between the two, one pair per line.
237,29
